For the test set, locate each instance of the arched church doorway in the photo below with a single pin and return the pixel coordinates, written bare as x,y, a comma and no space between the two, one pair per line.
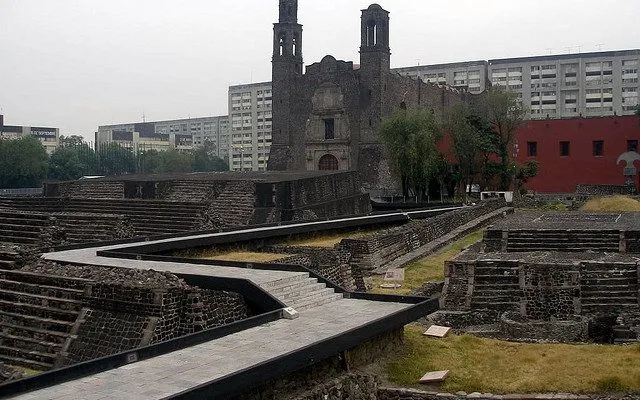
328,163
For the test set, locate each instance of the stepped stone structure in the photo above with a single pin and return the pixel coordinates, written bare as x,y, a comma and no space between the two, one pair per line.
54,315
554,267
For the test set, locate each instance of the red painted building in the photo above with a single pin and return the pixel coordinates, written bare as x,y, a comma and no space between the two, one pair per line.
577,151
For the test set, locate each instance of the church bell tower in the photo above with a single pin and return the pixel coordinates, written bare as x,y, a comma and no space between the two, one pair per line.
287,66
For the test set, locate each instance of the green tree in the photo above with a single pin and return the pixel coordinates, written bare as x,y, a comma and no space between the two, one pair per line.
173,160
72,162
23,163
73,140
205,159
524,173
473,143
148,162
72,159
114,159
410,140
503,111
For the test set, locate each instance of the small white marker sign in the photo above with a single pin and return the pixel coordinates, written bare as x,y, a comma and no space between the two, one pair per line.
394,275
435,376
437,331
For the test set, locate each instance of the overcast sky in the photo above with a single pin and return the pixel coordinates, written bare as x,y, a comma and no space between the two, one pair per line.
77,64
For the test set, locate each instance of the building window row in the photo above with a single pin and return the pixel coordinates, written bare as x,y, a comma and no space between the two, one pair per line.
564,149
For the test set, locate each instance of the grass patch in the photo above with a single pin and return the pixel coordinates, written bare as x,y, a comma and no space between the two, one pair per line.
247,256
428,269
612,203
487,365
327,241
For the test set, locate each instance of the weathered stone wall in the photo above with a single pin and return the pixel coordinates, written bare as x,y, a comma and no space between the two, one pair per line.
542,291
86,189
330,379
8,373
126,308
330,263
234,207
603,190
205,309
377,249
573,330
550,291
104,332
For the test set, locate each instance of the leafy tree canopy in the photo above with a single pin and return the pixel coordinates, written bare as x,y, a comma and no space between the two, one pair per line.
410,139
23,163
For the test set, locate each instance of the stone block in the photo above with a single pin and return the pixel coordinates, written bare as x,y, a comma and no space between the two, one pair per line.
434,376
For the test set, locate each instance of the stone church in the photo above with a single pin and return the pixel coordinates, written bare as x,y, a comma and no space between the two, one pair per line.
327,117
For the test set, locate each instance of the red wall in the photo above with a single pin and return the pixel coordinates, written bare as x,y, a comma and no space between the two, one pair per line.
558,174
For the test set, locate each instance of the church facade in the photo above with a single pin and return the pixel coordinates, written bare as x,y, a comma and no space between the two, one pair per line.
327,117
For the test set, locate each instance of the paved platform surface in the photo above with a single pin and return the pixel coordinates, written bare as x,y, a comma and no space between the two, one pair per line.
178,371
175,372
574,220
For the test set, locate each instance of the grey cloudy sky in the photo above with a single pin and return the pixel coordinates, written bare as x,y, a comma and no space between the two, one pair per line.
77,64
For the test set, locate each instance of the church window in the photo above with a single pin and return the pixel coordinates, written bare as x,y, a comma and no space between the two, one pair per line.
329,128
372,33
281,43
295,45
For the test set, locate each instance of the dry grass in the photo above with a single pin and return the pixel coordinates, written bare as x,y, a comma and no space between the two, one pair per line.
612,203
487,365
326,241
428,269
246,256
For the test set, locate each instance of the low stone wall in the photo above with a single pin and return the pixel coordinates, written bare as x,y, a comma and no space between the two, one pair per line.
415,394
86,189
330,378
567,331
380,248
358,204
330,263
604,190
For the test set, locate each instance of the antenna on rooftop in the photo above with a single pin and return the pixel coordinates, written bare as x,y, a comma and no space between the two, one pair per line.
144,118
417,62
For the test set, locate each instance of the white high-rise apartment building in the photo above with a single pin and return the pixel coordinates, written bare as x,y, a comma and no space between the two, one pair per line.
250,117
470,76
181,134
554,86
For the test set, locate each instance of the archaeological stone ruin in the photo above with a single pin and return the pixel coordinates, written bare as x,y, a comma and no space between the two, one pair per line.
569,277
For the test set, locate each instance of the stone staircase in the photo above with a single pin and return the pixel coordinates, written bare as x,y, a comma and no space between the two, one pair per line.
609,288
39,204
22,227
88,228
235,205
7,259
196,191
301,292
563,240
148,217
496,287
39,315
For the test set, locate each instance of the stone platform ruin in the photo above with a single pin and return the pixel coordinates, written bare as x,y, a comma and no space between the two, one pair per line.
545,269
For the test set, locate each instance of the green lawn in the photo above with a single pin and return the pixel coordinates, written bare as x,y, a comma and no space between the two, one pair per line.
487,365
428,269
